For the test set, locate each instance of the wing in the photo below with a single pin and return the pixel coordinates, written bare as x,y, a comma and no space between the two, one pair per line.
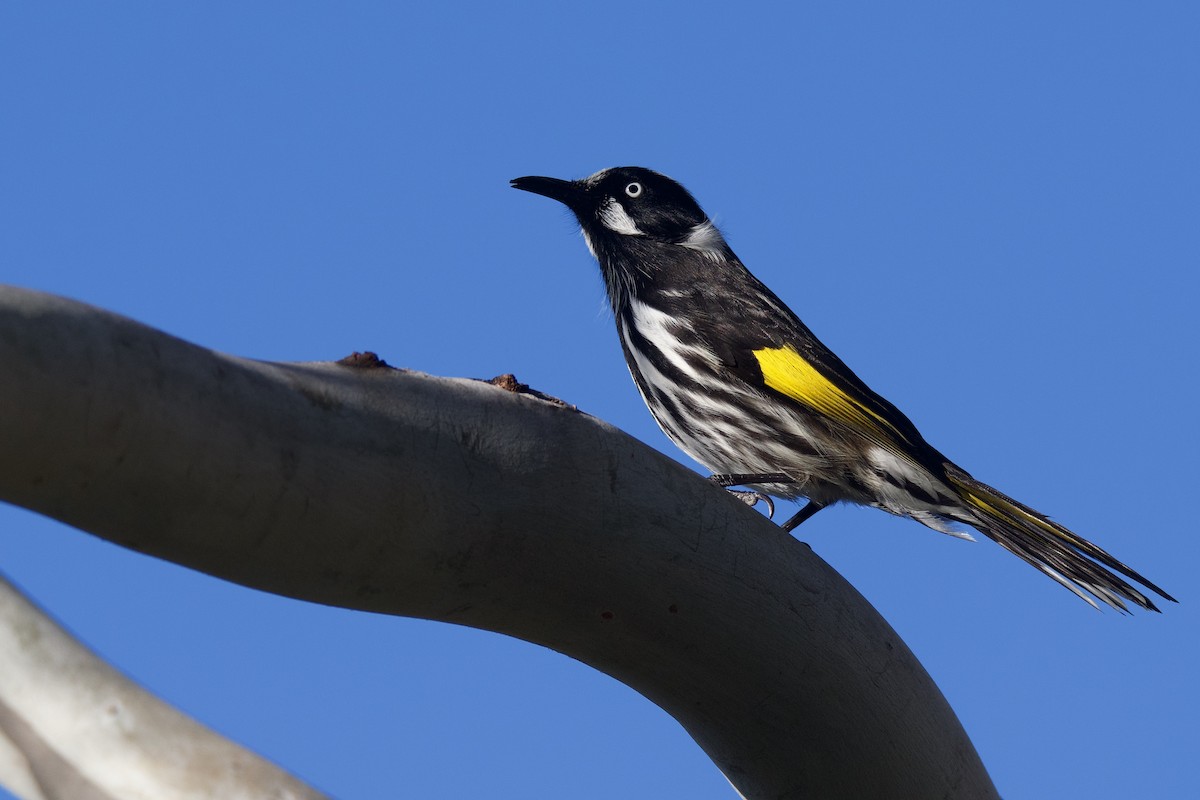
776,352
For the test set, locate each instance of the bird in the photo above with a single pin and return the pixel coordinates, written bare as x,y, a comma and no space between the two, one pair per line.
739,383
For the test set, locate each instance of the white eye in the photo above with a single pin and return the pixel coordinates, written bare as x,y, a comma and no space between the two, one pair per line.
634,190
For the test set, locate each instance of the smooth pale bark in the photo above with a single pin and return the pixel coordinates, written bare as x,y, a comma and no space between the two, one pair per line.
455,500
76,728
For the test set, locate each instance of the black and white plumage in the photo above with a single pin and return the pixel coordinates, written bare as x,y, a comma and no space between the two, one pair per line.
738,382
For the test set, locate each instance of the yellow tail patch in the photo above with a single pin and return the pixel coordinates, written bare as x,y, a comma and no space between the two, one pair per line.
787,372
990,503
999,506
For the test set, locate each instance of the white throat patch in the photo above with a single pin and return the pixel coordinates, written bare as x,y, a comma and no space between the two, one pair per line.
614,217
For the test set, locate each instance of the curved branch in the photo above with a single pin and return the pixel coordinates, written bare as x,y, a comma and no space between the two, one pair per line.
454,500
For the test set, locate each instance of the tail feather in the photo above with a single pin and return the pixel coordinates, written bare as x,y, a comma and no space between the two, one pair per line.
1085,569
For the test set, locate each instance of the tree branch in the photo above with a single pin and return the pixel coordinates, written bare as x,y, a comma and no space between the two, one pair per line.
76,728
454,500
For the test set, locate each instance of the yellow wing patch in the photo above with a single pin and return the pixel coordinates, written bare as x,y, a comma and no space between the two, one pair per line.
786,371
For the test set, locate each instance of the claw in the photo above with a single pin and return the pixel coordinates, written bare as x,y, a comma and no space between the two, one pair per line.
770,506
749,496
752,499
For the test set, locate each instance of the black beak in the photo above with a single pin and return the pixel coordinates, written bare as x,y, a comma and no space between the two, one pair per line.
569,193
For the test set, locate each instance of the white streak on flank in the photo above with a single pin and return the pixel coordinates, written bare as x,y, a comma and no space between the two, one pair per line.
898,501
706,239
696,448
656,327
690,426
614,217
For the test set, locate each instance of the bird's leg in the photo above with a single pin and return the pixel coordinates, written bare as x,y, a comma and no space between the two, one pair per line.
741,479
810,508
751,498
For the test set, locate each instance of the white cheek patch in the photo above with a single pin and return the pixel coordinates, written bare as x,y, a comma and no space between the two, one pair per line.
614,217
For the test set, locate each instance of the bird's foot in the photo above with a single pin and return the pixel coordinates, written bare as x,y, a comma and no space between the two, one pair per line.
752,498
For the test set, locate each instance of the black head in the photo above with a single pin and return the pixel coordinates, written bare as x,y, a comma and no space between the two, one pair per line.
646,231
625,201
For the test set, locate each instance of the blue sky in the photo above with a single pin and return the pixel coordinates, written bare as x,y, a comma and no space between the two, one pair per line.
991,213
